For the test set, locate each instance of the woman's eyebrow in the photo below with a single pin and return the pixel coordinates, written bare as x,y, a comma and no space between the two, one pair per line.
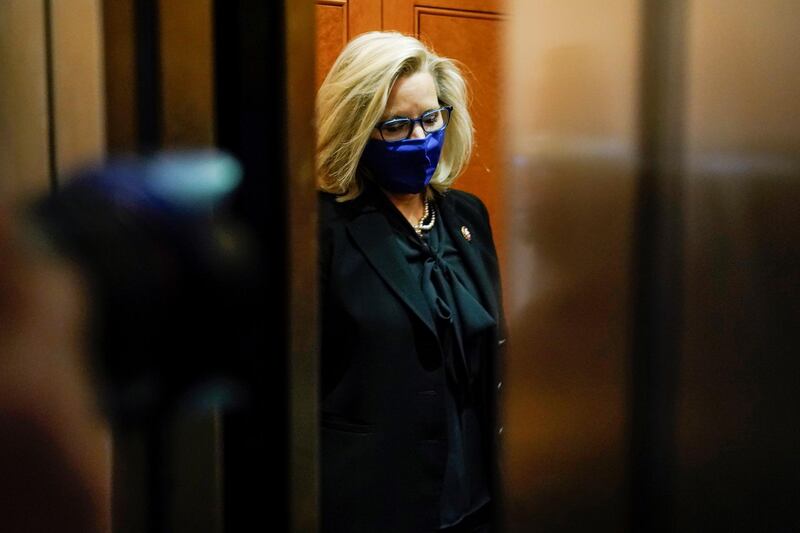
396,115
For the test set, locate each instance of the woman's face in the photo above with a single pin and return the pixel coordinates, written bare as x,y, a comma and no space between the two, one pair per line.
410,97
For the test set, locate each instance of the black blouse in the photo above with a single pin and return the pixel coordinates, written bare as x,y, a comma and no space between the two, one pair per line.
461,323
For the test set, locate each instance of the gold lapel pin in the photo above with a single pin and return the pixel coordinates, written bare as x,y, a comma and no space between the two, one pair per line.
465,232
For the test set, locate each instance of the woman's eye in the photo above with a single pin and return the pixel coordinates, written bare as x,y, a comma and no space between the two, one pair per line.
393,127
433,118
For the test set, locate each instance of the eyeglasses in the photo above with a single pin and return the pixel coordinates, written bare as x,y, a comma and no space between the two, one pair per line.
400,128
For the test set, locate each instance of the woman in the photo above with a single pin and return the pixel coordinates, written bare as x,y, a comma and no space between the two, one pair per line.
411,312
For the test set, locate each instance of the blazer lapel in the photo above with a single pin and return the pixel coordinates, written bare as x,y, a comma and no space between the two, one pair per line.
453,222
374,237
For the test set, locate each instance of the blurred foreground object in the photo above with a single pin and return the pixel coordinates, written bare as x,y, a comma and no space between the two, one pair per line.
654,260
168,275
54,443
129,293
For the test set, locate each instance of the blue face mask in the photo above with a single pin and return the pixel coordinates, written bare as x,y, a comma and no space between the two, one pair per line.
405,166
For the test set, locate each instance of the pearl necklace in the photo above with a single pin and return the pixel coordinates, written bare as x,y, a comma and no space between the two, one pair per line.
419,227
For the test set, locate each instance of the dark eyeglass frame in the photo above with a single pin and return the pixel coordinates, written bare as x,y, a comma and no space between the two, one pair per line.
379,126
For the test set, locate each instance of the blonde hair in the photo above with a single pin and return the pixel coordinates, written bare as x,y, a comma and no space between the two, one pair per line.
353,97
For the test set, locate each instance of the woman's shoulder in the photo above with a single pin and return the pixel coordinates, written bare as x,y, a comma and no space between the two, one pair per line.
331,210
465,203
325,200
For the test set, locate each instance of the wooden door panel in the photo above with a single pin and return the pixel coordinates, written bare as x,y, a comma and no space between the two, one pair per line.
77,92
365,15
399,14
331,35
187,72
338,21
474,40
24,119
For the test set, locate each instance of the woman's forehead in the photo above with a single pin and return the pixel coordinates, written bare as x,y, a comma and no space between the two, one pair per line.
412,95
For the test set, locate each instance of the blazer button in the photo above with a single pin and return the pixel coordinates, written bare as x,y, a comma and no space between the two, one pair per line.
501,342
499,385
500,431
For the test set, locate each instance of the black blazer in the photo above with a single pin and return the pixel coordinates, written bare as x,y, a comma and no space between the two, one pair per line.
383,434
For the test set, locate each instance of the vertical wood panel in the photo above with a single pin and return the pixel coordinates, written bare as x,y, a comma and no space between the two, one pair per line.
23,100
737,431
78,87
187,73
398,15
120,75
364,16
337,22
570,104
301,267
331,36
453,34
